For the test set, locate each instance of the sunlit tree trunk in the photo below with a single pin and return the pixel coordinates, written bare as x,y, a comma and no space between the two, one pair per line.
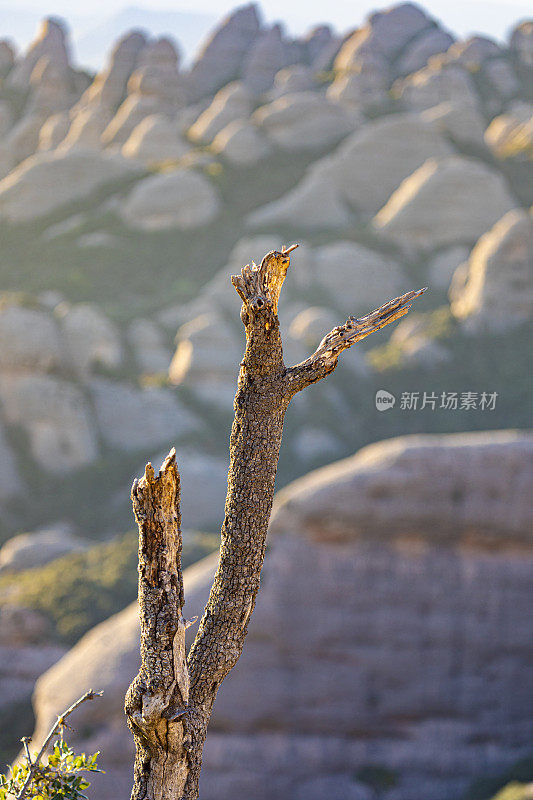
169,703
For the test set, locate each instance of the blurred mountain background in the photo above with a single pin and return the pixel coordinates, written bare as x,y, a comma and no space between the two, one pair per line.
396,146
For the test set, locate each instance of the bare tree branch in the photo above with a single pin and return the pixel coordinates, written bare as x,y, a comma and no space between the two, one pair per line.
324,359
169,703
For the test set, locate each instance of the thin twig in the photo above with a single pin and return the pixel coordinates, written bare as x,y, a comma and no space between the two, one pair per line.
25,741
90,695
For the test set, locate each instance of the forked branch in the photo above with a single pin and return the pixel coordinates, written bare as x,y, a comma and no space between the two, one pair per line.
169,703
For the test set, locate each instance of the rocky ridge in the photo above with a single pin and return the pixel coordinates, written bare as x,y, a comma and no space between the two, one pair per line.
396,155
390,152
394,644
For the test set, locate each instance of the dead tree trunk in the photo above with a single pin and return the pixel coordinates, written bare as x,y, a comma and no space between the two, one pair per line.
169,703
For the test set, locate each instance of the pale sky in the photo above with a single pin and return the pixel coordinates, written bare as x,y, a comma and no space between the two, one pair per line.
493,18
342,13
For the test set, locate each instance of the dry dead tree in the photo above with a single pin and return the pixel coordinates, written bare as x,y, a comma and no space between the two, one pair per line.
169,703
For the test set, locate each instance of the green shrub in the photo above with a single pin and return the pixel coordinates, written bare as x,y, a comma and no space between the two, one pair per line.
80,590
60,775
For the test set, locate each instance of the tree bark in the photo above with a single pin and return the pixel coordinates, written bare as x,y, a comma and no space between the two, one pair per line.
169,703
158,696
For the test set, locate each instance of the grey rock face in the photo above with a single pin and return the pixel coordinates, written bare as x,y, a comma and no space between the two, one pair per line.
133,419
365,275
24,654
394,28
522,42
11,483
22,626
46,181
51,87
150,348
304,120
502,78
362,172
465,125
23,138
210,372
98,104
221,58
298,78
28,550
445,202
50,43
392,619
444,265
511,134
183,199
154,87
233,102
241,144
394,42
434,84
54,131
29,340
495,291
7,56
56,417
427,44
317,42
268,54
91,339
154,140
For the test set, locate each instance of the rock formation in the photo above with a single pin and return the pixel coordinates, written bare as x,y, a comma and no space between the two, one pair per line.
445,202
26,193
494,290
392,618
51,45
155,139
233,102
304,120
133,419
241,144
362,173
184,199
28,550
155,87
221,57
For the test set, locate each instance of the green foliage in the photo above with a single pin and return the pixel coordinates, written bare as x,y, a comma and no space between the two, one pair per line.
60,775
80,590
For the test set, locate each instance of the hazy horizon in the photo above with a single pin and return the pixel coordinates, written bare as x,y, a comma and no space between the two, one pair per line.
94,26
